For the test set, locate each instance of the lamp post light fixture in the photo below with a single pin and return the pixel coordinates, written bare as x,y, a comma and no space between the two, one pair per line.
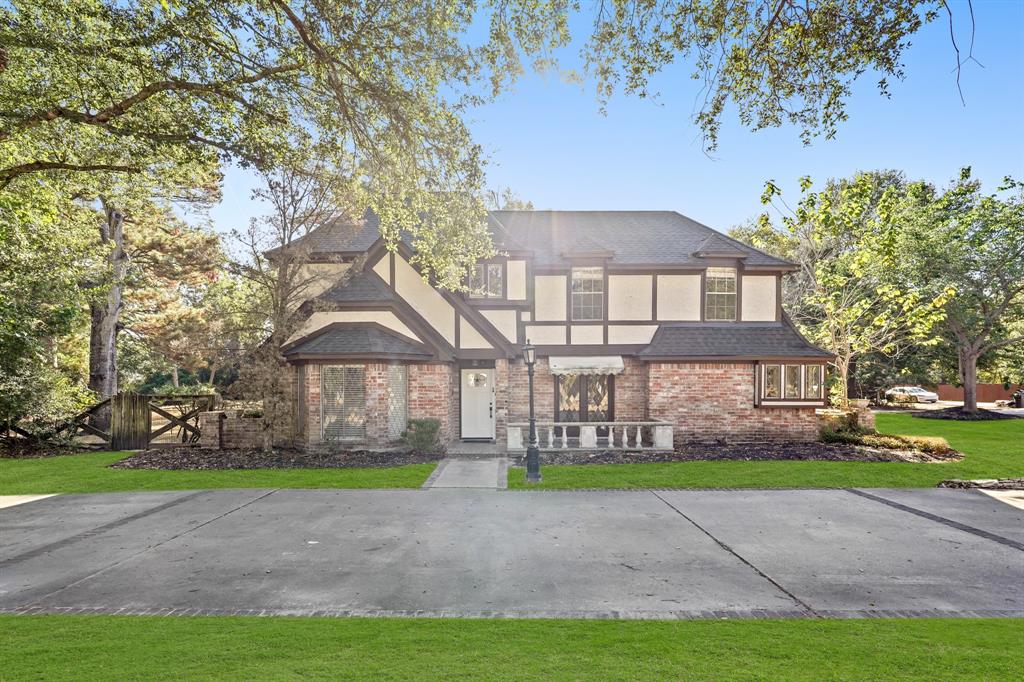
532,449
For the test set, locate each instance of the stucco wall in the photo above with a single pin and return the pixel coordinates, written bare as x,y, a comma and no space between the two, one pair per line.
549,297
543,335
469,337
504,321
438,312
382,317
586,334
759,302
630,297
383,267
516,280
631,333
678,297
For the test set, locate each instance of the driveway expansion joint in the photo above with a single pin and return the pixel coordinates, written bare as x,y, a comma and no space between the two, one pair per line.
940,519
92,532
796,600
158,508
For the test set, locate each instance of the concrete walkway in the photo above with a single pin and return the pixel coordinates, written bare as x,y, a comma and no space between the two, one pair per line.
488,553
470,472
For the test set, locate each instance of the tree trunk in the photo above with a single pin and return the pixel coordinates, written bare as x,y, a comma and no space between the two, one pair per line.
174,376
969,377
843,367
213,373
105,314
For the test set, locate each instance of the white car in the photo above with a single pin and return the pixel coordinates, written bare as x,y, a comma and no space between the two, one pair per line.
911,394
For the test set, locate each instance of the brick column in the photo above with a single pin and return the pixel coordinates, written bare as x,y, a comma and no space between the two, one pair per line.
376,384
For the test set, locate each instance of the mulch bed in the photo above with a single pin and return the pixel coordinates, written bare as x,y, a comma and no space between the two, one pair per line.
802,451
194,458
958,414
23,448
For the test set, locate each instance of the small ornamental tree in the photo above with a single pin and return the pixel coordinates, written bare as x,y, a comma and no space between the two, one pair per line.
857,299
972,243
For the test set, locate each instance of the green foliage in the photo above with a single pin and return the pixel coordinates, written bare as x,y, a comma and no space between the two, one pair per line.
972,243
932,445
423,435
42,298
378,91
854,297
775,62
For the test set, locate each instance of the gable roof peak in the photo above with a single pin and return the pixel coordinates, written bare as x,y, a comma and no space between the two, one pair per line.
719,245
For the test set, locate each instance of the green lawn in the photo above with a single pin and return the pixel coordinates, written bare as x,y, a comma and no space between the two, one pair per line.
153,648
89,474
992,449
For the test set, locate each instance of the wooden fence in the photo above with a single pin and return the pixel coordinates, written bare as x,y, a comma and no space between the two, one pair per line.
125,421
987,393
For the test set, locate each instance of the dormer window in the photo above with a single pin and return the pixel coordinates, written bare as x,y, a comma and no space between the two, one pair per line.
487,281
587,288
720,295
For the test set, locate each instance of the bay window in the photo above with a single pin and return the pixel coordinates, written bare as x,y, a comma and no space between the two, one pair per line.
782,382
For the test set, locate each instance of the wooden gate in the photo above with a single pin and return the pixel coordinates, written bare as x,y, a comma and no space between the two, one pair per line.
130,422
129,419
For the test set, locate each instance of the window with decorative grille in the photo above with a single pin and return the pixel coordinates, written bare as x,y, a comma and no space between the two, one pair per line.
720,294
398,401
587,287
343,402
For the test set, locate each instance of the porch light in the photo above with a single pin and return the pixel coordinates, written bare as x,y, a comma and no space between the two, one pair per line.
529,353
532,447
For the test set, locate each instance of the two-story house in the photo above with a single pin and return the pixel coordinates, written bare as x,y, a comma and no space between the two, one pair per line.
641,320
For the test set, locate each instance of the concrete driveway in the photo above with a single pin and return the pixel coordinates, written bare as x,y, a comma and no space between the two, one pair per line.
642,554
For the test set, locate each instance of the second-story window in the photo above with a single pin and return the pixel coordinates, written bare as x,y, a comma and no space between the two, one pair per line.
720,294
587,288
487,281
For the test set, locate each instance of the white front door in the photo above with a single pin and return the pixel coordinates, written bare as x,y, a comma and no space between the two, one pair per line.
478,403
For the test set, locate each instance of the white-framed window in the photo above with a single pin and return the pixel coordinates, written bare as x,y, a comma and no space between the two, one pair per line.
487,281
792,382
587,290
813,381
720,294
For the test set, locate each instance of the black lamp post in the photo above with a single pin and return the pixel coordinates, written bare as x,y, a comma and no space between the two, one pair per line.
532,450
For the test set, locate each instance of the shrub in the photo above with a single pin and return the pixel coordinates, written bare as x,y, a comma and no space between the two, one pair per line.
932,445
423,435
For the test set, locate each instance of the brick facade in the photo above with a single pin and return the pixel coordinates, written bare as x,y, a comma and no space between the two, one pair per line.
710,402
433,394
229,430
705,402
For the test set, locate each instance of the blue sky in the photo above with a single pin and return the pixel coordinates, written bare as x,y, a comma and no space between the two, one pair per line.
548,142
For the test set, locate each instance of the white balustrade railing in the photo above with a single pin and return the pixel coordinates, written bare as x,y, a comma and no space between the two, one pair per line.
648,435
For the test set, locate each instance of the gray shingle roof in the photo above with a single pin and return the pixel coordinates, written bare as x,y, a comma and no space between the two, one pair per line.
636,237
340,234
731,340
357,340
363,287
